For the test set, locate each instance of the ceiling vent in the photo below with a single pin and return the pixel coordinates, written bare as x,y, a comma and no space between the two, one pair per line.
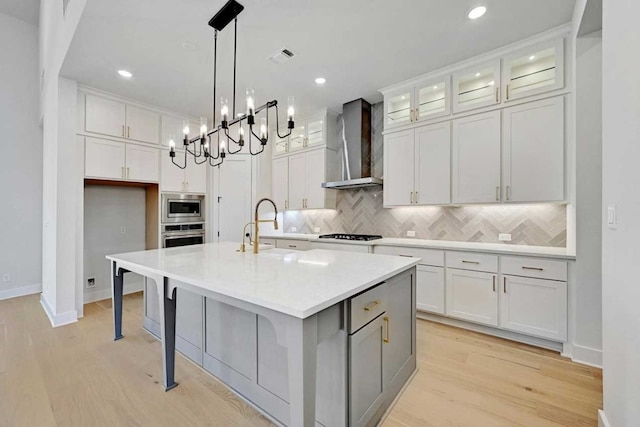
282,56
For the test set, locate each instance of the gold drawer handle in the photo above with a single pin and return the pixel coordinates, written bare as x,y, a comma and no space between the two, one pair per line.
532,268
387,338
470,262
371,305
406,256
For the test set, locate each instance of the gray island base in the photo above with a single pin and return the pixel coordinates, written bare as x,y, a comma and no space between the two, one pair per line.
316,338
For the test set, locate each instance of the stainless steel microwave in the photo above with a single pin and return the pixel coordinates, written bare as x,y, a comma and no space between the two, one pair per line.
182,208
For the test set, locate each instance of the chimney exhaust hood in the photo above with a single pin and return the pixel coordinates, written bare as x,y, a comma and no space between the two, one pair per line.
356,149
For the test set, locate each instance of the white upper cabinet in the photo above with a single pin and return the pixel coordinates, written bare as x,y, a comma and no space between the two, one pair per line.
142,163
533,151
280,182
314,131
172,178
280,145
143,125
104,159
172,125
433,164
297,181
314,177
427,99
196,178
533,70
476,87
297,137
399,166
105,116
475,174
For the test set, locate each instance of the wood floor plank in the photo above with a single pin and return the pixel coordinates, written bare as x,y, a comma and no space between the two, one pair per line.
77,375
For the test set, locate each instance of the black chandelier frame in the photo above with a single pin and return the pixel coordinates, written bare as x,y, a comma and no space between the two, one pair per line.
202,152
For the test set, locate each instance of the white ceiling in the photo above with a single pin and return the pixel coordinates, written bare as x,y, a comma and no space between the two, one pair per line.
360,46
25,10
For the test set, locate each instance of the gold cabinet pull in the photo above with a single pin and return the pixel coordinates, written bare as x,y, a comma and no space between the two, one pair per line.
470,262
507,94
128,132
371,305
127,172
406,256
494,283
504,285
508,192
411,197
122,171
286,204
416,198
416,114
497,95
123,131
387,337
497,193
532,268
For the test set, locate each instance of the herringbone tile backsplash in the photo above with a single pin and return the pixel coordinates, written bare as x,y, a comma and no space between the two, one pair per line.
361,211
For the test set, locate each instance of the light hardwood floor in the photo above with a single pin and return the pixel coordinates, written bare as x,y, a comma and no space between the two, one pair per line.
77,375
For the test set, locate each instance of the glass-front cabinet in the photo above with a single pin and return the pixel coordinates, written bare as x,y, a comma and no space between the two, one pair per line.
297,137
311,132
315,131
424,100
534,70
476,87
281,145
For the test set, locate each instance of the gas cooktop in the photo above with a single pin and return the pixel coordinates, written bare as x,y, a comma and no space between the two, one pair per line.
360,237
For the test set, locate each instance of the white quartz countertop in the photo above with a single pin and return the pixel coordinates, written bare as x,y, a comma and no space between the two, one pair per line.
497,248
297,283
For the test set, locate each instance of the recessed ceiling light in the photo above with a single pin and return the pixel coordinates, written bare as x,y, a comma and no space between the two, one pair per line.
477,74
435,86
126,74
321,81
477,12
532,57
402,97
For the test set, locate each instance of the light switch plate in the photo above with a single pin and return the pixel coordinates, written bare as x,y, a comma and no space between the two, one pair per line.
612,217
411,233
504,237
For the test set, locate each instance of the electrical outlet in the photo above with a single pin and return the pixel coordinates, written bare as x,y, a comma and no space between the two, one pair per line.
91,282
123,230
504,237
612,217
316,229
294,229
411,233
6,277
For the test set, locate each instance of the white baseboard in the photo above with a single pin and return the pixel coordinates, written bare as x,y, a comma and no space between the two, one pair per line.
586,355
58,319
102,294
602,419
21,291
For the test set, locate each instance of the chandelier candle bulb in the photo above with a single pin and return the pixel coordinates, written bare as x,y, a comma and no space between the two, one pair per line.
203,128
185,131
251,106
241,136
224,111
263,130
172,146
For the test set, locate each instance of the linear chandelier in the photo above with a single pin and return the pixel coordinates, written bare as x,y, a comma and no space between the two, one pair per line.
202,144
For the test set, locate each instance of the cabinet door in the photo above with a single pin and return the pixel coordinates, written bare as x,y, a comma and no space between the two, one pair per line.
171,176
314,178
366,373
432,99
143,163
297,180
534,307
189,323
430,289
534,70
476,159
476,87
105,116
398,109
398,168
399,348
196,178
472,295
281,146
171,125
297,138
280,182
143,125
433,164
104,159
316,131
533,151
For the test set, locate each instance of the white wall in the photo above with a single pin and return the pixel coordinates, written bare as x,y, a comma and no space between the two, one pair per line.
621,187
587,342
21,168
106,211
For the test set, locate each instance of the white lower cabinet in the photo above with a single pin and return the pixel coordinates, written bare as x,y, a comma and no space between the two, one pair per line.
534,307
430,289
472,296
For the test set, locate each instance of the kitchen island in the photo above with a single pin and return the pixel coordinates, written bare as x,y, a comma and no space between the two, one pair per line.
310,338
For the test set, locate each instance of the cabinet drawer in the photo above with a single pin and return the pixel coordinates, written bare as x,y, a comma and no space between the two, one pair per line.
367,306
332,246
427,256
268,242
534,267
297,245
472,261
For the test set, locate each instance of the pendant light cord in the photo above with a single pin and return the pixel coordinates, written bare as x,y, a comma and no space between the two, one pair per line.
215,60
235,50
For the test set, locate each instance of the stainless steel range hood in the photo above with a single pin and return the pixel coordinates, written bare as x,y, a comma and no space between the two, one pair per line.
356,149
